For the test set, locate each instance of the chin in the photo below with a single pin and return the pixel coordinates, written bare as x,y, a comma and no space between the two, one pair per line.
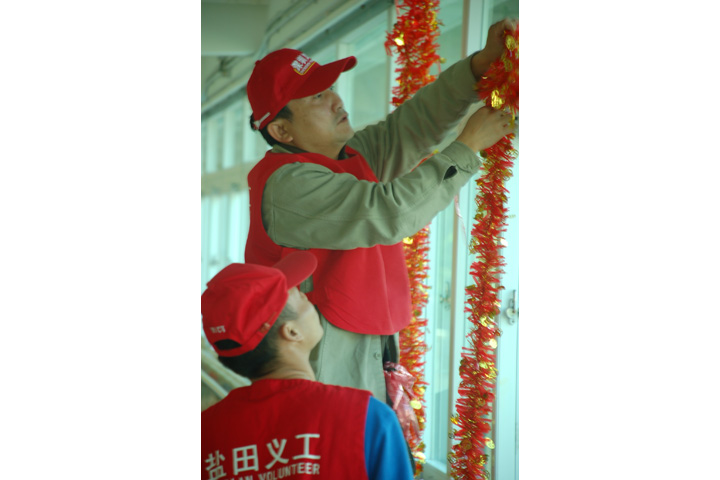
348,135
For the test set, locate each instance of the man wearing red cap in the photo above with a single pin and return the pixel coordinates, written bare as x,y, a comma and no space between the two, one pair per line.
286,424
351,197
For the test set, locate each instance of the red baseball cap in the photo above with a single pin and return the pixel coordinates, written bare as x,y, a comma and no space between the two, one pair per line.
243,300
285,75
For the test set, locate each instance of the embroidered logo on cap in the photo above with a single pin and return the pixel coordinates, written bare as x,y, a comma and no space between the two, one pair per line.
302,64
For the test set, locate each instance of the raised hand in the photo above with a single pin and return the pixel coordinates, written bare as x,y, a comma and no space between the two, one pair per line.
485,127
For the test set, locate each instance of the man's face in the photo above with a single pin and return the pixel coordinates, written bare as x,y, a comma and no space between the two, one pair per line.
319,123
307,316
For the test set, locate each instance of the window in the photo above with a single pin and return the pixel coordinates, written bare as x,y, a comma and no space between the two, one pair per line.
368,86
449,276
240,124
216,133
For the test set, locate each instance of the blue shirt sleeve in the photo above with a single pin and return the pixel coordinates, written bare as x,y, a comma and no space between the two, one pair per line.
386,453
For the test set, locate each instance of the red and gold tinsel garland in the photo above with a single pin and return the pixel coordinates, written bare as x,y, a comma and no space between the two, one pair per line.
414,38
498,88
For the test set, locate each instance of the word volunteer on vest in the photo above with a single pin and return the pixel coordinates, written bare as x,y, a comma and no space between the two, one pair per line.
246,459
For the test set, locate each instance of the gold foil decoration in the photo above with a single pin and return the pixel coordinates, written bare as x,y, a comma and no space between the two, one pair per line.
497,102
507,63
510,43
492,343
415,403
408,240
489,443
399,40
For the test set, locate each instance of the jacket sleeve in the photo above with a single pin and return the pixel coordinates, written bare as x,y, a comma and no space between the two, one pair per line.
386,452
396,145
308,206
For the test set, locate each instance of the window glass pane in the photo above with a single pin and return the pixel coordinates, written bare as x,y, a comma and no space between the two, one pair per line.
368,80
326,55
228,139
240,126
261,146
450,42
438,369
208,397
204,240
219,140
238,225
504,8
218,217
258,145
203,146
214,144
253,145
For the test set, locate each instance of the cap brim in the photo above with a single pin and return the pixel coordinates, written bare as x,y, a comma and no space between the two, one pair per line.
297,267
322,77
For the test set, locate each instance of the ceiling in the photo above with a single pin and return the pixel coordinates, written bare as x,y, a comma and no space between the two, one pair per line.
235,33
234,27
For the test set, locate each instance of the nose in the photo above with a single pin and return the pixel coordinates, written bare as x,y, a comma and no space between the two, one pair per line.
337,103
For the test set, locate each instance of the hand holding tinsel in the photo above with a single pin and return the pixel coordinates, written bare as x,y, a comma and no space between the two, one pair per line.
494,47
499,87
485,127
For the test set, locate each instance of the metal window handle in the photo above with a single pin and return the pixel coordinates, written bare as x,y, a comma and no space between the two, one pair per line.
512,311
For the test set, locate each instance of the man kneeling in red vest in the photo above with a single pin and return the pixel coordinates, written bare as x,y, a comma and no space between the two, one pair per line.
286,424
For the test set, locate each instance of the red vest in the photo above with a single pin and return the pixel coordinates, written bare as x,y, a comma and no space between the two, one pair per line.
289,429
364,290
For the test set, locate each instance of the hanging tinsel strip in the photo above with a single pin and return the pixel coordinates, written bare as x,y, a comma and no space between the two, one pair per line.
468,460
414,39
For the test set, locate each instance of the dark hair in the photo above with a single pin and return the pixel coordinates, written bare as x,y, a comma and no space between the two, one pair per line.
261,360
283,113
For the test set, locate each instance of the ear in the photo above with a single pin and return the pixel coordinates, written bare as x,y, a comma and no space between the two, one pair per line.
279,131
290,332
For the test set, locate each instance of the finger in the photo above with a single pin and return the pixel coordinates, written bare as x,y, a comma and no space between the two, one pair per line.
510,23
